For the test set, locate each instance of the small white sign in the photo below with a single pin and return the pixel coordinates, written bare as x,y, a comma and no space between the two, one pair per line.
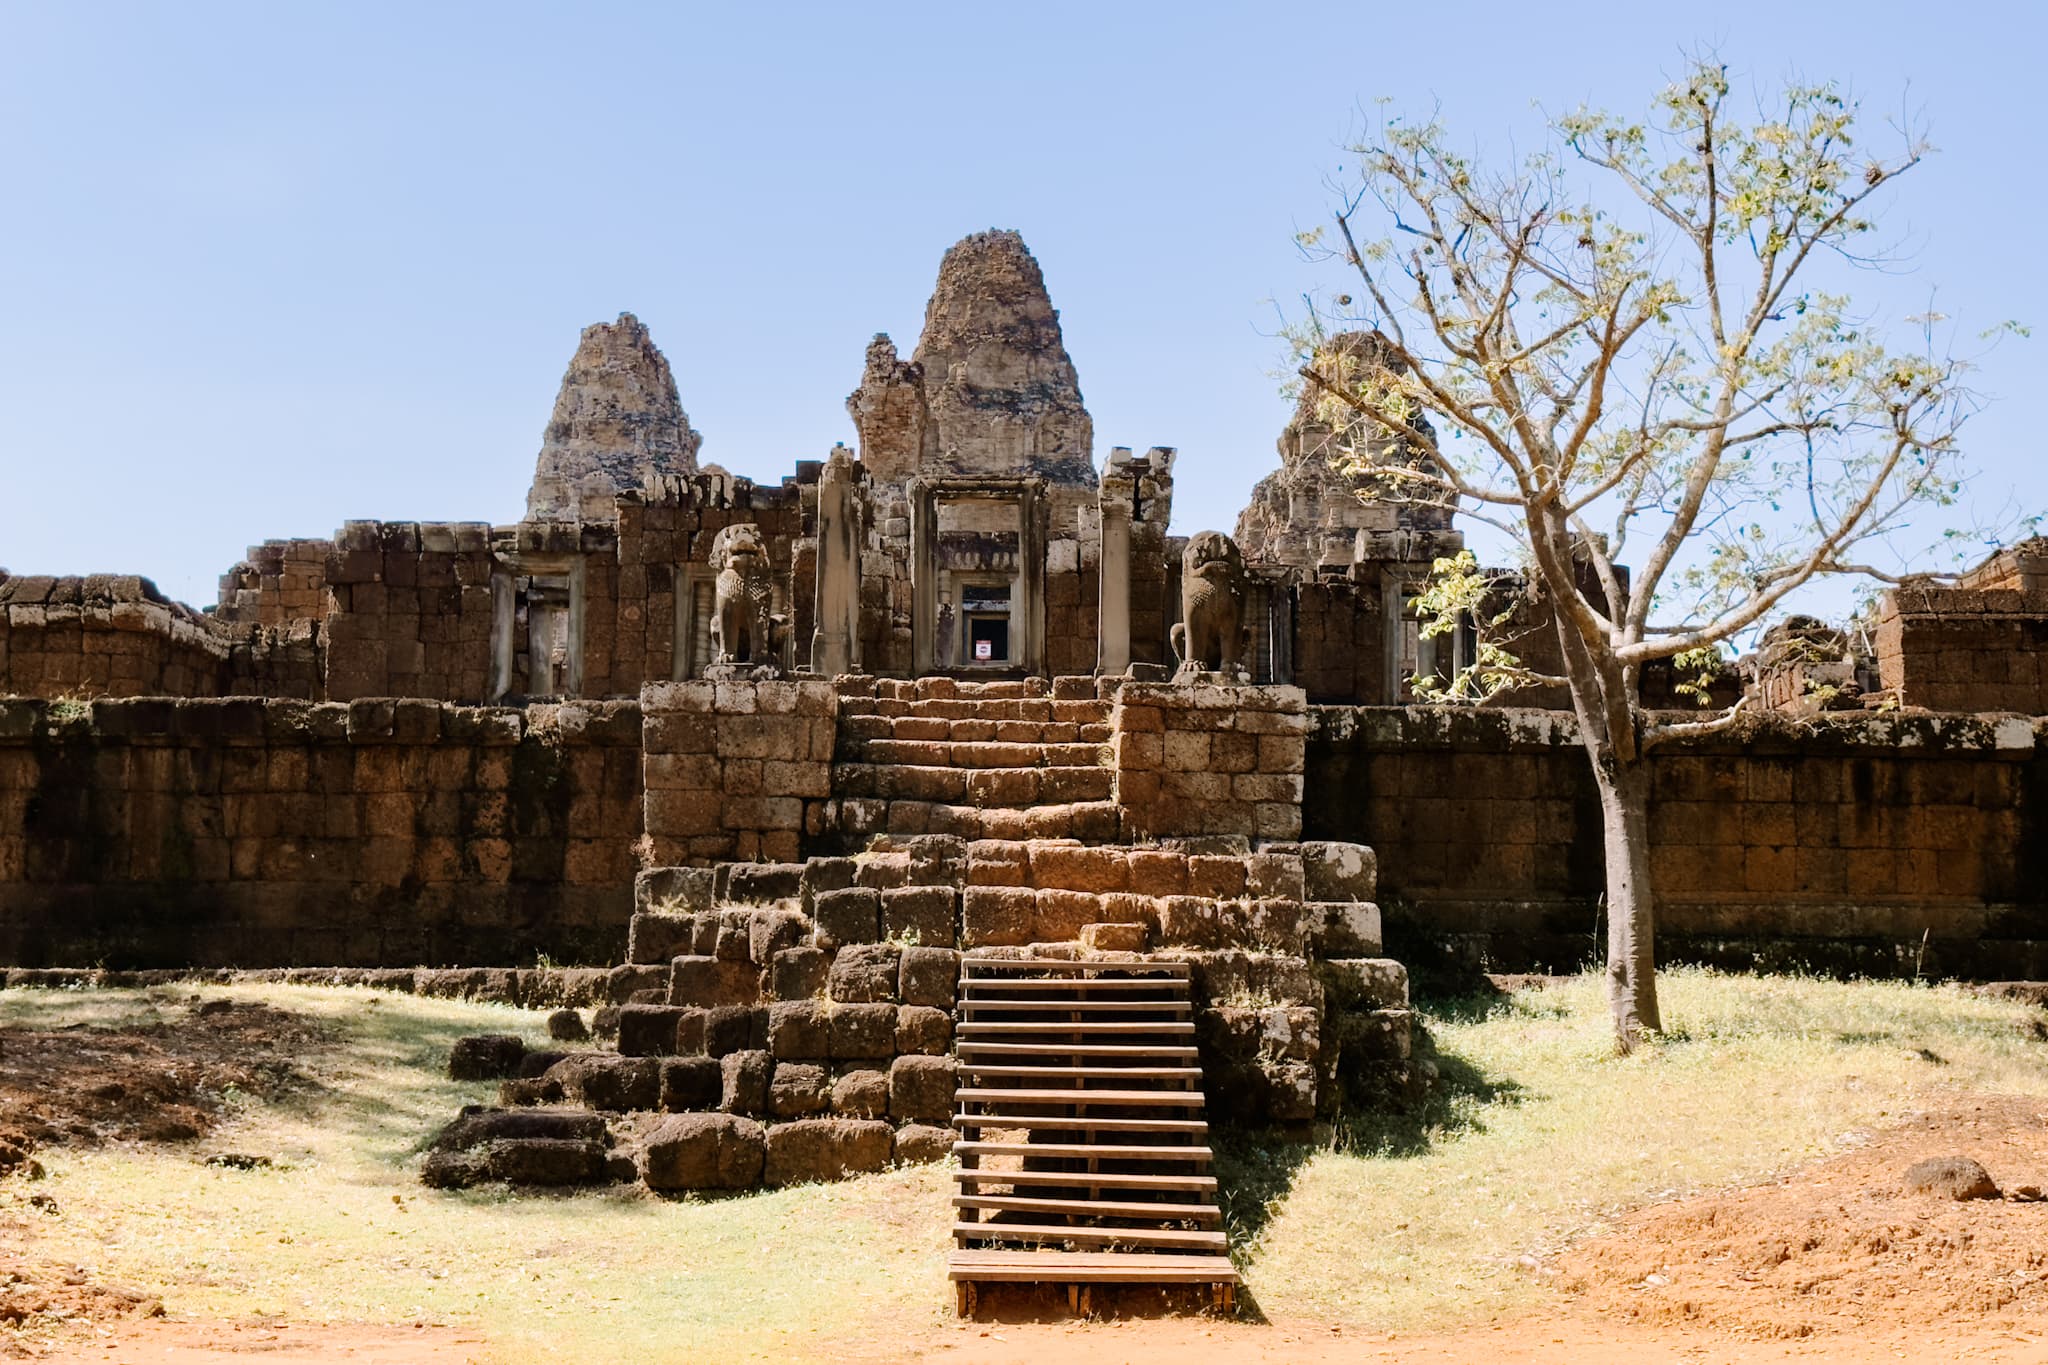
984,649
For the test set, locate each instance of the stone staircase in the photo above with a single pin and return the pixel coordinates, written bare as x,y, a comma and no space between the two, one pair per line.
1083,1153
982,760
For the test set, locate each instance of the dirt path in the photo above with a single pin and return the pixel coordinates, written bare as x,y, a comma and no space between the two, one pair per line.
215,1343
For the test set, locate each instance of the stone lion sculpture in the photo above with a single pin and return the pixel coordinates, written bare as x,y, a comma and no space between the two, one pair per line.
742,620
1211,636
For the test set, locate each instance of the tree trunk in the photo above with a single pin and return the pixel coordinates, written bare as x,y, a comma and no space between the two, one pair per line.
1631,901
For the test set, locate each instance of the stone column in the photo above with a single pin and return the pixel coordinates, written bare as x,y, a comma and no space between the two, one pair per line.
836,604
504,623
1032,513
924,575
1113,566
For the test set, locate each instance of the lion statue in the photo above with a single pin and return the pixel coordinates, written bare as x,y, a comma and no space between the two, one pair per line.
1211,636
743,598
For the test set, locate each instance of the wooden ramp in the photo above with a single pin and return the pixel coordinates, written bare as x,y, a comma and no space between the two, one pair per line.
1084,1158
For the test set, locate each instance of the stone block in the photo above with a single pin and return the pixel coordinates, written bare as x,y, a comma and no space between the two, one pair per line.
1072,867
772,931
798,1089
798,973
827,874
1274,875
799,1028
1114,938
920,1143
866,973
923,1029
735,935
998,862
1365,983
703,1152
762,883
842,917
735,1028
705,981
862,1094
826,1149
689,1083
1196,922
1222,878
1059,915
485,1057
658,938
929,976
862,1031
745,1078
649,1030
1156,872
997,916
607,1083
545,1161
921,915
1338,871
921,1088
1344,928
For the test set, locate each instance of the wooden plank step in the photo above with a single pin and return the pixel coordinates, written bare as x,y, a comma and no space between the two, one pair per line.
1147,1028
1105,1073
1091,1208
1183,1099
1088,1180
995,1264
1034,984
1093,1007
1135,1051
1083,1151
1081,1123
1127,1237
990,966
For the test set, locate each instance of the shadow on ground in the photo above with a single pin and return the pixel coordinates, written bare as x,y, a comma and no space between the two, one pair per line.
1256,1169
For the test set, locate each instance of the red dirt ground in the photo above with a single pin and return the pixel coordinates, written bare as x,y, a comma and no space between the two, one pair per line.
1833,1262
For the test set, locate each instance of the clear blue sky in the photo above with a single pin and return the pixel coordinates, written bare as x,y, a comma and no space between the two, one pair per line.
267,267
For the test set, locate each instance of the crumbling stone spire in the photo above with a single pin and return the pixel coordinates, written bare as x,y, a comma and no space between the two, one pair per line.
1001,391
1308,511
616,422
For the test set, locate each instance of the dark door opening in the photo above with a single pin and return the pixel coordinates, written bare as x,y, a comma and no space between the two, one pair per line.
988,639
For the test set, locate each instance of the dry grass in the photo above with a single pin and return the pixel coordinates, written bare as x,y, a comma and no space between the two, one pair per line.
1543,1136
340,1230
1546,1135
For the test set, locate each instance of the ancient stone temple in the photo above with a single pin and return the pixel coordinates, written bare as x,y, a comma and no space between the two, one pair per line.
869,799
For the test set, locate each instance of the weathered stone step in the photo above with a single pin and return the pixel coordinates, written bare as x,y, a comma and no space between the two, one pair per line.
942,729
1007,787
1089,821
957,709
975,754
982,964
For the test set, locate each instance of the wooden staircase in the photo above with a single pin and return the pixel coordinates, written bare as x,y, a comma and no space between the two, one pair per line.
1084,1159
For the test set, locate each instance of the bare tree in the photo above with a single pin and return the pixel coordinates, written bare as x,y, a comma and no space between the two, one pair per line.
1625,349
